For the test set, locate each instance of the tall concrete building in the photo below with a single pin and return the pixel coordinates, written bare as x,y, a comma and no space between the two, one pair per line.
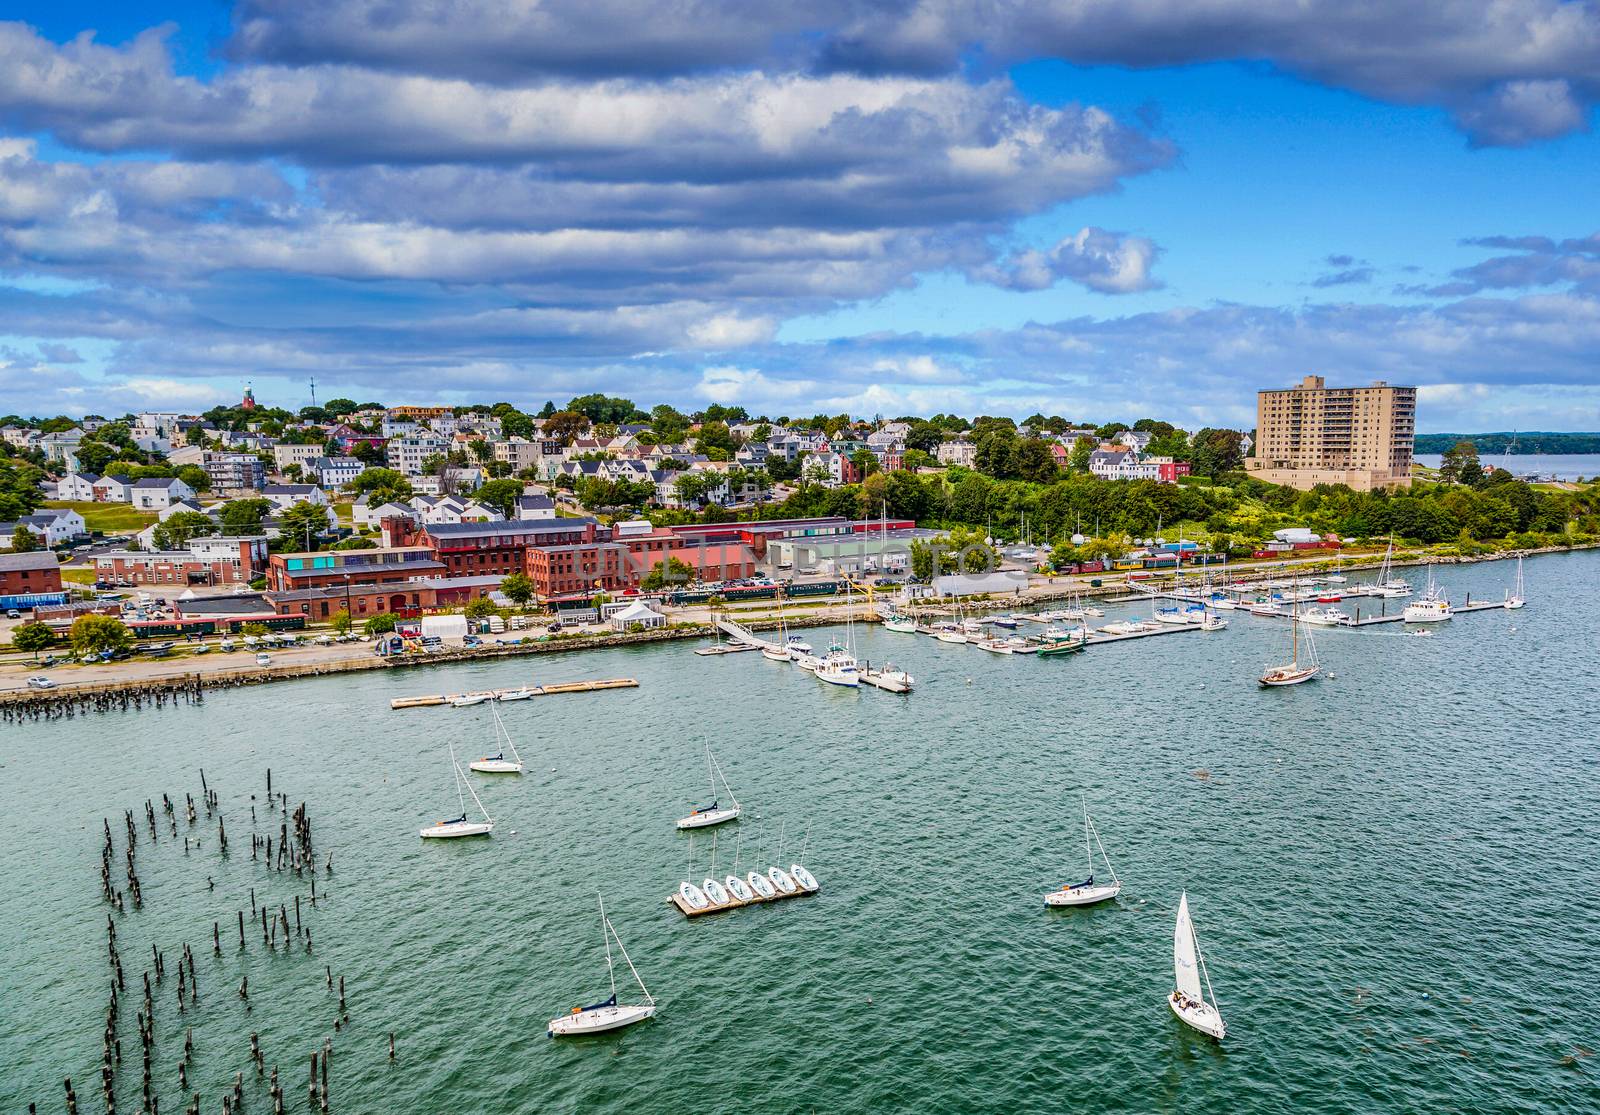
1313,434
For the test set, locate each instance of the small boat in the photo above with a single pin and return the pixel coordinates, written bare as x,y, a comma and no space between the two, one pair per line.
807,662
1003,621
803,877
467,700
460,826
1088,892
839,668
498,763
798,646
1122,627
1389,585
1094,612
760,884
949,633
1420,633
1072,644
782,881
775,653
1213,623
1434,607
607,1014
715,891
202,649
693,895
1517,597
891,678
897,621
1188,968
738,888
1323,617
716,813
521,694
996,646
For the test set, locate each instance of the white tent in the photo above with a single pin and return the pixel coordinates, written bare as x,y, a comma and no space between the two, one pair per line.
445,627
638,612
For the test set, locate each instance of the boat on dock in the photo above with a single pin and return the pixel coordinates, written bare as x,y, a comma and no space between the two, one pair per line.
889,678
460,825
949,633
467,700
716,813
1388,584
995,646
1188,968
1088,892
899,622
608,1014
1075,643
498,763
838,667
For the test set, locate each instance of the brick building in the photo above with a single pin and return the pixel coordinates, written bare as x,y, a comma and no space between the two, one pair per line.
223,560
498,548
579,568
29,579
385,565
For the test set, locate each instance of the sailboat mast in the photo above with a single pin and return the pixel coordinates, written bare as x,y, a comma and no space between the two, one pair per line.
605,936
456,768
1088,849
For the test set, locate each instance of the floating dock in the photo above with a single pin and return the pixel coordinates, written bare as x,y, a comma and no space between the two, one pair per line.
436,699
726,648
1398,616
733,903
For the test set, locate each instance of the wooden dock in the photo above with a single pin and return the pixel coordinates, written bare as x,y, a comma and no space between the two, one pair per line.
1386,616
726,648
436,699
733,903
1099,638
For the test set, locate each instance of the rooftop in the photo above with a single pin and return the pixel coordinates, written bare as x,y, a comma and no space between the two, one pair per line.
16,563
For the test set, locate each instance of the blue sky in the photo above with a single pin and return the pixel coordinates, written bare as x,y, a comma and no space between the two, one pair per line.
1098,210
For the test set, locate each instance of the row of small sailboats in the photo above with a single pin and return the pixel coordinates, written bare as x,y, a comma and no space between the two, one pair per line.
752,886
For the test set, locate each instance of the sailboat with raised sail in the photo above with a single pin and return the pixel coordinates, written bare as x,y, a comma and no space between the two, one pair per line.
1193,1008
1088,892
498,763
1302,664
608,1014
459,825
716,813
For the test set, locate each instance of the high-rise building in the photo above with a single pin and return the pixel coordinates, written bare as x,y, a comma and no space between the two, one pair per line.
1313,434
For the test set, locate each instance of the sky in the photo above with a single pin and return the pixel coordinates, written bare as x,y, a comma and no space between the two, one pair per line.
1104,209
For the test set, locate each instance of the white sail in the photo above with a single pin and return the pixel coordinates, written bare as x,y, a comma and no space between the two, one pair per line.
1185,965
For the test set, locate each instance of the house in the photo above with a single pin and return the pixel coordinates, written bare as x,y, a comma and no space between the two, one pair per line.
234,472
959,452
1136,440
214,560
285,496
365,514
535,507
186,506
75,487
54,526
1108,464
112,489
156,493
30,579
406,454
334,472
59,447
284,454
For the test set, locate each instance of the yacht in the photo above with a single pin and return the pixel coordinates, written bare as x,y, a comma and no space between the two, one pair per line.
1434,607
839,668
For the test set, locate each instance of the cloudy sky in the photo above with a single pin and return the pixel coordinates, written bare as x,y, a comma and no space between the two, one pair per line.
1096,208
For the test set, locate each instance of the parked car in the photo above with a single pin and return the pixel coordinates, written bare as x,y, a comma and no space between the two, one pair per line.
12,613
263,660
40,682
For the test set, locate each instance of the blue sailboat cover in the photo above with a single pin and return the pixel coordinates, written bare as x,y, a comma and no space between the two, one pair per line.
611,1002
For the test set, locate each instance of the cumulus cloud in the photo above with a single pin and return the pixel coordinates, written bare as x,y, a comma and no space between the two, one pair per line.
1108,262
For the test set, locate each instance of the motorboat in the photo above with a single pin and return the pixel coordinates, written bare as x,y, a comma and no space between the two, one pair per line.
521,694
1323,617
1434,607
839,668
891,678
896,621
1088,892
716,813
807,662
949,633
1420,633
608,1014
996,646
798,646
1188,965
467,700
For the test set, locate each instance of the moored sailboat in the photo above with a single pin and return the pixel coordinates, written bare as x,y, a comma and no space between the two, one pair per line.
460,825
1088,892
716,813
607,1014
1516,598
1300,667
498,763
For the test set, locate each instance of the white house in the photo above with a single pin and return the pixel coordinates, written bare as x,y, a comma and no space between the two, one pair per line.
335,472
53,525
76,487
285,496
536,507
959,452
284,454
113,489
157,492
365,514
180,506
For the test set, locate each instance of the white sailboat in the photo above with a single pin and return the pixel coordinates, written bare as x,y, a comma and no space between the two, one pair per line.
806,881
1188,969
716,813
1336,577
1300,668
779,652
1389,585
1088,892
839,666
459,825
608,1014
498,763
693,895
1516,598
710,886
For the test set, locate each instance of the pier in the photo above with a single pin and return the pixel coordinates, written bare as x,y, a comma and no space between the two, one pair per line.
434,700
1385,616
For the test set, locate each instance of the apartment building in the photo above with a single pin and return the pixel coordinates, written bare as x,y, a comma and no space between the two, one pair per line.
1314,434
406,454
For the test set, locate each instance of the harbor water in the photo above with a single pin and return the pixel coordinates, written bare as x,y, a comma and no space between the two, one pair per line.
1546,466
1393,873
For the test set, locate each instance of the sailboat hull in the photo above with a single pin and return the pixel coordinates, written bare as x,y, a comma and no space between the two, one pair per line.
800,875
598,1020
1279,678
454,829
708,818
760,884
775,654
1083,896
1198,1016
495,766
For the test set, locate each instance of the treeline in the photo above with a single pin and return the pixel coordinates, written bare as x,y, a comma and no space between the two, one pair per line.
1495,444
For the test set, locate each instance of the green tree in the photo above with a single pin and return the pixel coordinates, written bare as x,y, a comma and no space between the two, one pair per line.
1033,461
195,477
1216,452
865,462
502,495
24,541
669,571
355,542
380,624
336,407
1082,450
715,441
93,456
383,485
668,424
32,638
480,608
565,426
340,621
367,453
1455,461
93,634
243,516
517,588
302,523
599,409
175,531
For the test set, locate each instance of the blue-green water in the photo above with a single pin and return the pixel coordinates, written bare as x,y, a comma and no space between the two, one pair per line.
1393,872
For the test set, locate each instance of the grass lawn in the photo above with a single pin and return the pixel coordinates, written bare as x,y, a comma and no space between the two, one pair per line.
111,518
77,574
342,510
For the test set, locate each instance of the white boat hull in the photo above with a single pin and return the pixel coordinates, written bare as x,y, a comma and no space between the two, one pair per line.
760,884
598,1020
903,626
782,881
848,678
452,829
516,695
1419,613
950,637
694,896
738,888
1198,1016
471,699
715,891
1083,896
1279,678
495,766
804,878
708,818
775,654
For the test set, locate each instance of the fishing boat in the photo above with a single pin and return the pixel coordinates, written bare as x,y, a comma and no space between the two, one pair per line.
900,622
498,763
1434,607
1188,968
608,1014
716,813
838,667
459,825
1299,668
1516,598
1088,892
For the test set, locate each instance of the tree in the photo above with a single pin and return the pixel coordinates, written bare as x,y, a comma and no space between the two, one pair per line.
94,634
337,407
668,571
24,541
196,477
355,542
243,516
517,588
1454,462
380,624
340,621
502,495
565,426
32,637
599,409
668,424
1082,450
293,474
480,608
175,531
94,455
1032,460
913,459
924,436
383,485
367,453
865,462
303,522
1217,451
715,441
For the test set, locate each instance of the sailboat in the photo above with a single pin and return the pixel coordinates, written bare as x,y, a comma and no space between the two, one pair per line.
737,886
799,874
713,889
693,895
608,1014
1336,577
779,652
1388,584
1516,598
715,813
1188,968
1298,669
896,620
460,826
498,763
1088,892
